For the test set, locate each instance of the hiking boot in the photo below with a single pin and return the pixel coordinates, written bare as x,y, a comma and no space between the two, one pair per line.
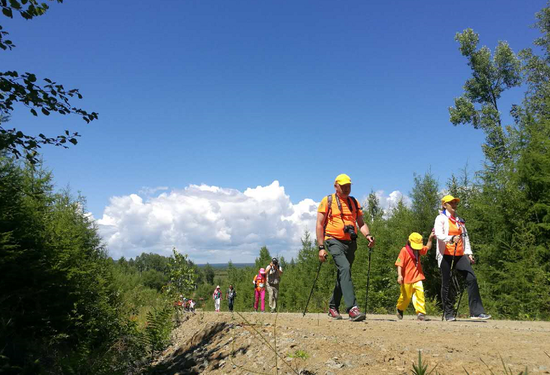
334,314
481,317
355,315
450,318
421,316
399,314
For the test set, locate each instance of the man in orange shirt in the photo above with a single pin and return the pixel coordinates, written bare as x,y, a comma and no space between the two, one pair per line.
337,219
410,275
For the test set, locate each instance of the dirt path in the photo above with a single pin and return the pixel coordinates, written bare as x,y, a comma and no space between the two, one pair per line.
219,343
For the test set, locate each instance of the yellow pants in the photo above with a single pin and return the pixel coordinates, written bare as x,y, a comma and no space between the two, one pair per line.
414,291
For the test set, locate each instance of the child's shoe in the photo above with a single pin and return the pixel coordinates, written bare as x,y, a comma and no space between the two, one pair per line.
399,314
421,316
481,317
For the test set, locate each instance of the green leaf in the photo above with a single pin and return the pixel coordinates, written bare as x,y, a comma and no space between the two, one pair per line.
15,4
34,112
73,141
7,12
45,111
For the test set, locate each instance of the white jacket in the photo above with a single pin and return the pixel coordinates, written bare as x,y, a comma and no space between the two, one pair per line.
441,227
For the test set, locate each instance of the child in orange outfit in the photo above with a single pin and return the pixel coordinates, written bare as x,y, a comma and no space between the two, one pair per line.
259,289
410,275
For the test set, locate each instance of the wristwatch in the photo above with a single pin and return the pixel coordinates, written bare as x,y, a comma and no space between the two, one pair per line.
321,247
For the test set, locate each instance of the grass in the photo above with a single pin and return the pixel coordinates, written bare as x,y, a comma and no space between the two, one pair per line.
298,354
422,369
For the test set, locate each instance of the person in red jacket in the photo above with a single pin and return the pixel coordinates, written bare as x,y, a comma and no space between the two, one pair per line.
410,275
259,289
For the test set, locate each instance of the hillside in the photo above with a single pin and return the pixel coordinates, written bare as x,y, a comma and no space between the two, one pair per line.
221,343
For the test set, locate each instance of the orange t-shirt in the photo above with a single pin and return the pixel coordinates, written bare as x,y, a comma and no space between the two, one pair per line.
411,273
335,226
260,282
454,230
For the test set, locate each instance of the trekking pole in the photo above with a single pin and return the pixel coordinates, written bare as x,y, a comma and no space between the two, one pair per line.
313,287
368,280
459,299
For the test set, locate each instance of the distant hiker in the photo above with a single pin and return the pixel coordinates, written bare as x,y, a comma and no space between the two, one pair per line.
274,272
337,218
410,275
454,252
191,306
259,289
217,297
230,295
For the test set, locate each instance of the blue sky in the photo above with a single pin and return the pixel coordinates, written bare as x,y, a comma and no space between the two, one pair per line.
206,99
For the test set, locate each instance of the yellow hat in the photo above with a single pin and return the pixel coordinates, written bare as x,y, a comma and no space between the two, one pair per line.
415,240
342,179
449,198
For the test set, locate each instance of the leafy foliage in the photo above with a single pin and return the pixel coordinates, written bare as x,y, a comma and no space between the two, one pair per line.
159,327
65,306
25,89
182,275
491,76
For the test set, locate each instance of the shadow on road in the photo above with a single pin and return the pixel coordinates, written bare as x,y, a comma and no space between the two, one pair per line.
194,357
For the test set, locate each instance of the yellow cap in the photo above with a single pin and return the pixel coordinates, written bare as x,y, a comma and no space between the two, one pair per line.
415,240
342,179
449,198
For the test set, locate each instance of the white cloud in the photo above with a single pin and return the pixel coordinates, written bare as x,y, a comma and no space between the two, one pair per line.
209,223
149,191
389,201
213,224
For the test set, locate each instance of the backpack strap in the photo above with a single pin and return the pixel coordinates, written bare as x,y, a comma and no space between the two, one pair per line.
329,211
355,204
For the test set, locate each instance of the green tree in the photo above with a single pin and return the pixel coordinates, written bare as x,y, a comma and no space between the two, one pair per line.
425,206
373,212
209,273
58,299
182,275
491,76
24,88
507,208
264,259
151,261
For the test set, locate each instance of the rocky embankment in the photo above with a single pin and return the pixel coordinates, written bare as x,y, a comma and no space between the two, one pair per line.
287,343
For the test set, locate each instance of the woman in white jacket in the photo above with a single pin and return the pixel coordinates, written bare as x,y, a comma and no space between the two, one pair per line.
454,252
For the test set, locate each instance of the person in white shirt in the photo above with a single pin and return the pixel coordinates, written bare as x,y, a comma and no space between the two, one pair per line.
454,253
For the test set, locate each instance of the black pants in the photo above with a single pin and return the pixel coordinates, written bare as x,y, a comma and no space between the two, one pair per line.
230,303
463,267
343,253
